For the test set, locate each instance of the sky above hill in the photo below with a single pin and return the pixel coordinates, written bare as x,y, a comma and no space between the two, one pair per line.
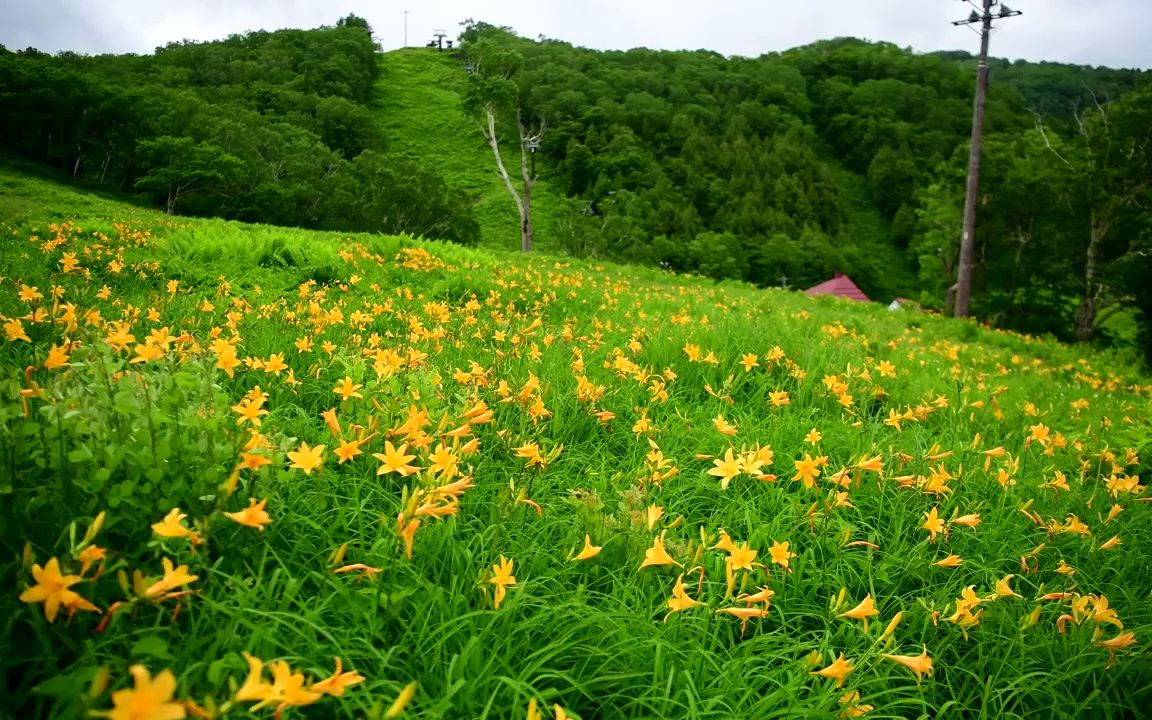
1101,32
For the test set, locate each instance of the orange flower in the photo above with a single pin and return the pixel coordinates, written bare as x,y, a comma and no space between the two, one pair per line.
807,470
837,671
781,554
172,526
346,389
53,589
726,468
335,684
920,664
395,460
252,516
723,426
680,600
368,570
933,524
306,458
863,611
149,698
173,578
740,558
745,614
657,555
407,532
873,464
502,578
590,551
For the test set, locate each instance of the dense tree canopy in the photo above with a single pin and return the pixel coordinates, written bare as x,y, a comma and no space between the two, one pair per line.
273,127
847,155
842,155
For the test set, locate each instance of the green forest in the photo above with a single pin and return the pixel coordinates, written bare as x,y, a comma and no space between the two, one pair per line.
843,155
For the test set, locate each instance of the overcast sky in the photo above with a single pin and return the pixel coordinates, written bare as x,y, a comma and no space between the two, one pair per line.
1095,32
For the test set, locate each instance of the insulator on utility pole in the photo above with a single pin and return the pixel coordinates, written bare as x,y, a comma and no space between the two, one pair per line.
967,239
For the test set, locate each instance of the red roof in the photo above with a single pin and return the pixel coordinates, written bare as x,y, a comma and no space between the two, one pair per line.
841,285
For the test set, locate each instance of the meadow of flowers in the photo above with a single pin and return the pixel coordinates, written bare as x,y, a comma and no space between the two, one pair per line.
254,472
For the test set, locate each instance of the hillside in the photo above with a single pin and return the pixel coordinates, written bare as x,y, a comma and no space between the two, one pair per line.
851,156
418,106
487,484
841,156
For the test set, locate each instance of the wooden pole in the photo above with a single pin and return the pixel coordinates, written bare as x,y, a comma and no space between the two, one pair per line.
964,273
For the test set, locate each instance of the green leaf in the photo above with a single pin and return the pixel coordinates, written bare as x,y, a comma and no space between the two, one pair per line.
216,669
65,685
151,646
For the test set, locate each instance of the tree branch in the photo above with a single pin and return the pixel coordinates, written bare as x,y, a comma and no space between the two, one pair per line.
1047,141
1099,107
1114,307
494,143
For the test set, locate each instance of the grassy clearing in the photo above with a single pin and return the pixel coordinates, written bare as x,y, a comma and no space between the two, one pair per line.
419,107
542,402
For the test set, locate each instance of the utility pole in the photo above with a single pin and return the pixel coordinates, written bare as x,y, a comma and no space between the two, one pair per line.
405,28
991,10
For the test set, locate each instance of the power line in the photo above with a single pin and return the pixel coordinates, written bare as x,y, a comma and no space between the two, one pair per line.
990,11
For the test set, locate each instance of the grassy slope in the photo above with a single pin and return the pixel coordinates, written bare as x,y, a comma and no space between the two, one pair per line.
588,635
419,108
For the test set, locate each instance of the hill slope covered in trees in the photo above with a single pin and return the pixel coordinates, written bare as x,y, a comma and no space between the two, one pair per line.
847,155
270,126
782,169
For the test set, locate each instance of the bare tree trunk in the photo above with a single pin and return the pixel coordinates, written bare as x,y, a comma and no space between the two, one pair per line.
494,143
526,235
527,174
529,178
1023,239
1086,320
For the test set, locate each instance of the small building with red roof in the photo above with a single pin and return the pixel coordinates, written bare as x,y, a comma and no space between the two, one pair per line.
840,285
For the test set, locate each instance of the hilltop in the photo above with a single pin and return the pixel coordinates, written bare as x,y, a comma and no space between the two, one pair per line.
419,106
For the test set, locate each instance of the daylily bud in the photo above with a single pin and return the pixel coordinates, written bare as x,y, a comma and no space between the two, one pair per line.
1031,618
94,528
840,599
139,584
230,484
99,682
338,556
892,625
401,701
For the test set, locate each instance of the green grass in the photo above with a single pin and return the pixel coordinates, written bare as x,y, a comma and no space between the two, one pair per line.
137,439
420,111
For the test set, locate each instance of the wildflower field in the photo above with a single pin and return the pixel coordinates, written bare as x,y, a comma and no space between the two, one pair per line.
255,472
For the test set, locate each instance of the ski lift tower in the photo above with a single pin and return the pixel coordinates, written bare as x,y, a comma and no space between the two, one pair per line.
440,35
